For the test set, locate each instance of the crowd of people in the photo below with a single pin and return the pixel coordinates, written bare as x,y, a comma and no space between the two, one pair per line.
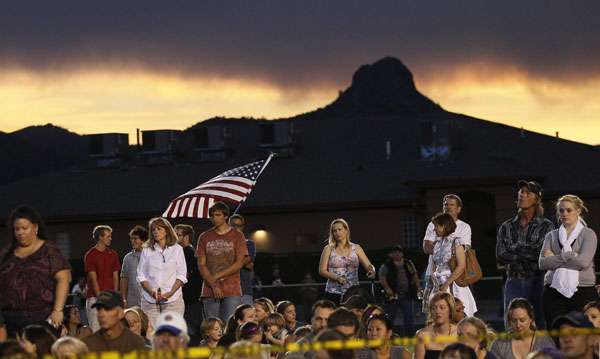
168,294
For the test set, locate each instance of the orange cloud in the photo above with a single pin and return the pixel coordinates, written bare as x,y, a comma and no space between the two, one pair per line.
99,101
119,101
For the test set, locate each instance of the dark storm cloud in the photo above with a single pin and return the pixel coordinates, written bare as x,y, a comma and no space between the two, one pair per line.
295,44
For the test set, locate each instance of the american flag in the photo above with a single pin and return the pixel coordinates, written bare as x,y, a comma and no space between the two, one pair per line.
231,186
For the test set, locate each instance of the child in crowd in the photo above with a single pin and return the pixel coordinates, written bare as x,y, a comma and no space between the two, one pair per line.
275,329
249,331
211,330
302,332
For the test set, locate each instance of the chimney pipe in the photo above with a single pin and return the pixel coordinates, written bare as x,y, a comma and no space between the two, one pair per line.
137,132
388,150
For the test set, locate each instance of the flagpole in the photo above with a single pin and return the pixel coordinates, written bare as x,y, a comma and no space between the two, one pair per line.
256,179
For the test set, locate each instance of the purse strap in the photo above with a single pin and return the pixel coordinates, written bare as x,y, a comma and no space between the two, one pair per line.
454,248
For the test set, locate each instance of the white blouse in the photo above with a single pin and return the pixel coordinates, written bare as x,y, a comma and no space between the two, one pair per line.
161,268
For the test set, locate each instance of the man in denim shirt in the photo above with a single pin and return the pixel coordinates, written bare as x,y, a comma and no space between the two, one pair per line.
518,246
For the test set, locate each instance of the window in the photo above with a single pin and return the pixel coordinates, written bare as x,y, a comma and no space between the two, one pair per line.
63,241
412,231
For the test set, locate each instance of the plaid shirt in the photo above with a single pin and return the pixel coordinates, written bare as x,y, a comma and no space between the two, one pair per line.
519,247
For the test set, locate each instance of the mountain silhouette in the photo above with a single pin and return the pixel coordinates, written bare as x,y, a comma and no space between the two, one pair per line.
384,87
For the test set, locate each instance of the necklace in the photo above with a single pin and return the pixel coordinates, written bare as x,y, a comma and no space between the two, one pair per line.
436,333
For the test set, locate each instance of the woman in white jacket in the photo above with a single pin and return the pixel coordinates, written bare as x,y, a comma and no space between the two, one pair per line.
568,257
162,271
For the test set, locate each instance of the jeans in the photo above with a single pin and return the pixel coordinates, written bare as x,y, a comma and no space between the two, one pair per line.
220,308
405,304
246,299
529,288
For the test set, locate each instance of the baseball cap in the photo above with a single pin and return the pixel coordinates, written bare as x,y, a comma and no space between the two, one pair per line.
532,186
355,302
109,298
172,322
575,319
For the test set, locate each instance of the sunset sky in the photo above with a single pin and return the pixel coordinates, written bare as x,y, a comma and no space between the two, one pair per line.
114,66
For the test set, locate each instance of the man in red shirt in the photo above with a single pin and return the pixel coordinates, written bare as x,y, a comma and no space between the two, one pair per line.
102,267
220,254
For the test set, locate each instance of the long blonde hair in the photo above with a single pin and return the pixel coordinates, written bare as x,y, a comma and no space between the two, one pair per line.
576,202
331,239
171,239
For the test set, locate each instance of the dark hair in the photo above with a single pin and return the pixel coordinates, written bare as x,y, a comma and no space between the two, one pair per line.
67,316
186,230
331,335
594,304
302,331
465,351
139,231
238,314
238,216
323,303
247,330
12,349
365,317
282,306
445,220
41,337
521,303
384,318
30,214
343,317
219,206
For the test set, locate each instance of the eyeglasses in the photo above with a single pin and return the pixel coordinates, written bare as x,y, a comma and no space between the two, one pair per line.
163,257
180,235
237,225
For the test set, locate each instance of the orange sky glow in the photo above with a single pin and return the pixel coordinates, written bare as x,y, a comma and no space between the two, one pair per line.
121,101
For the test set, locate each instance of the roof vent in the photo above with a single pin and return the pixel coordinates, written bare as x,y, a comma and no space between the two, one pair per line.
107,149
158,147
276,137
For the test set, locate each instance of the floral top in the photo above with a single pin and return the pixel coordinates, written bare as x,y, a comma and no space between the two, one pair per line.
343,266
442,253
28,284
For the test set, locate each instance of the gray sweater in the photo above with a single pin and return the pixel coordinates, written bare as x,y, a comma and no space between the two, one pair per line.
585,245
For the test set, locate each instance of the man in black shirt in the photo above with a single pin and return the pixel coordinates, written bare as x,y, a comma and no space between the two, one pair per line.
400,281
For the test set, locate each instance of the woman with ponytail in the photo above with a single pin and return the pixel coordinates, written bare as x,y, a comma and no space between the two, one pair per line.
568,257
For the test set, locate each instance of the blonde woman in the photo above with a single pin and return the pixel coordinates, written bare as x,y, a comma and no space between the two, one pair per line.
473,332
568,257
441,312
339,261
162,271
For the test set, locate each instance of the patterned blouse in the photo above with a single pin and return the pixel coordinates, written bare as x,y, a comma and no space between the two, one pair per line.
343,266
28,284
